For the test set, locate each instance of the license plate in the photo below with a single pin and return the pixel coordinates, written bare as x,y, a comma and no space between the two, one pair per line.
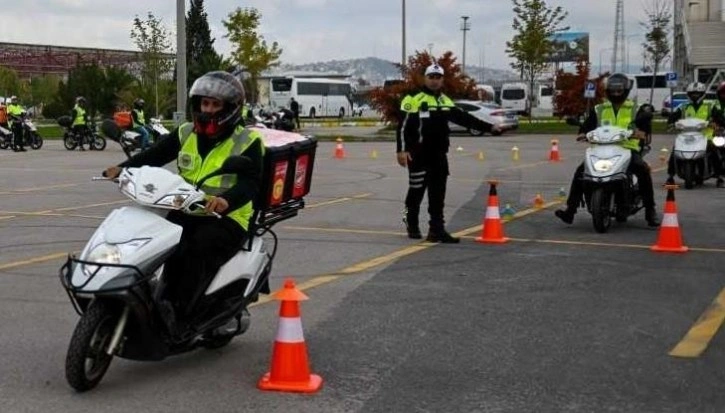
510,115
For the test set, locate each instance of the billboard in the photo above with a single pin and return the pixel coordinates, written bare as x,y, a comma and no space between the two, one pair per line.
569,47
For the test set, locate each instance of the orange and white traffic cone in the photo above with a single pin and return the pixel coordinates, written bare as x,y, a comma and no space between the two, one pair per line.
554,152
290,367
339,149
492,231
670,237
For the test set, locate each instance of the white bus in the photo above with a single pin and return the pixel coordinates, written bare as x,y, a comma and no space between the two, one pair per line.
316,97
644,84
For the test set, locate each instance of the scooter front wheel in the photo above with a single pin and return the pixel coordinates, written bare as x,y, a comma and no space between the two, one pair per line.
87,360
601,210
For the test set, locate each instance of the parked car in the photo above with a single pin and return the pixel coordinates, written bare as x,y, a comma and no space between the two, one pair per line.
502,119
680,98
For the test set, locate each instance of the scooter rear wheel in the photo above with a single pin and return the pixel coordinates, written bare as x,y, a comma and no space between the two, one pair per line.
87,361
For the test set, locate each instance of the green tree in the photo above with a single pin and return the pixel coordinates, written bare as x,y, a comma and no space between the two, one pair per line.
249,49
41,91
102,88
456,85
10,83
153,40
200,54
534,23
657,44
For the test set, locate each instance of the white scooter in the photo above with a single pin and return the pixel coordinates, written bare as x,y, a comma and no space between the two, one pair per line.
609,190
117,281
130,140
690,152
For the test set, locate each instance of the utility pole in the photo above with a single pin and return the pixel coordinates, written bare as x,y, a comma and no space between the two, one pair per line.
465,26
403,59
618,56
180,115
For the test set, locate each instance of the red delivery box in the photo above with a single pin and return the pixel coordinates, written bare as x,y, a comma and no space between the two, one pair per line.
288,162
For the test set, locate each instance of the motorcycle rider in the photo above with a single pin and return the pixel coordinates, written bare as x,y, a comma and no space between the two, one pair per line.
16,113
216,132
139,122
80,121
699,109
622,112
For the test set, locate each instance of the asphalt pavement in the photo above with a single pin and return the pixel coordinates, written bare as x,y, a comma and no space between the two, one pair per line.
559,319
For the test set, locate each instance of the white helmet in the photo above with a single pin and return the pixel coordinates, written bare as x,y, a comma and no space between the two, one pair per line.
696,91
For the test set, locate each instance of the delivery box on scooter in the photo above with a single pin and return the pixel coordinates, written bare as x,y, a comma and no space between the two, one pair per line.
288,162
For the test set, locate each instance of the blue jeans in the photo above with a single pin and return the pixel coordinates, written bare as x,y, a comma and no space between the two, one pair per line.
144,136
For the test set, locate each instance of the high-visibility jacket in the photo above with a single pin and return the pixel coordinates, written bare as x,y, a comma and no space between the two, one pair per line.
703,112
80,118
192,167
624,118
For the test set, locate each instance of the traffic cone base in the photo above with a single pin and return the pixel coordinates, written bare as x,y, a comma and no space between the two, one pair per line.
554,153
310,386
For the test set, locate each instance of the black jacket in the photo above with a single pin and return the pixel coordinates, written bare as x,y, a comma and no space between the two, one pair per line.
430,134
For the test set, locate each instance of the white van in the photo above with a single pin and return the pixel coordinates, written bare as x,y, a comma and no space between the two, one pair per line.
515,96
545,97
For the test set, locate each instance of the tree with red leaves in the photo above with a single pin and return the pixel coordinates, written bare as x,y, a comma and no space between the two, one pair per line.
569,100
456,85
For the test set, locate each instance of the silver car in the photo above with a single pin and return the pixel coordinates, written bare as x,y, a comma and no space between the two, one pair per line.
502,119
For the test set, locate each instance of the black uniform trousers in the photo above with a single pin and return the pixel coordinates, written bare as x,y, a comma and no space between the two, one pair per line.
18,141
713,158
206,244
427,172
637,166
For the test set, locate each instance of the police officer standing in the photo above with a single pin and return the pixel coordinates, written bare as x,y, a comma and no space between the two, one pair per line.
422,147
80,122
16,113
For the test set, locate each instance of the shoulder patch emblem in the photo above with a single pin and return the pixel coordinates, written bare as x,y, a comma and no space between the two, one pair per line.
407,106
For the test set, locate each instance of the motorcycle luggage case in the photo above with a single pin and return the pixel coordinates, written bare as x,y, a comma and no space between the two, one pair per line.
289,159
65,121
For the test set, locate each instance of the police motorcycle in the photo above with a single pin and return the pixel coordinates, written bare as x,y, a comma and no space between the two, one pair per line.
6,138
130,140
72,140
31,137
117,281
690,151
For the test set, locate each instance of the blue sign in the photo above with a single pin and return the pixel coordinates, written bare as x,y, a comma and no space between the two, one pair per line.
590,90
671,78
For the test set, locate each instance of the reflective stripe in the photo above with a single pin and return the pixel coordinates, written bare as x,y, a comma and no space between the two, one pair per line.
492,213
416,180
289,330
185,131
416,186
670,220
417,173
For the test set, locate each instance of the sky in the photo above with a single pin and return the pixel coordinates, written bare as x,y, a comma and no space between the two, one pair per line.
321,30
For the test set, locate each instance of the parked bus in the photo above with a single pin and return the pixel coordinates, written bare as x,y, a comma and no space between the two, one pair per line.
316,97
644,84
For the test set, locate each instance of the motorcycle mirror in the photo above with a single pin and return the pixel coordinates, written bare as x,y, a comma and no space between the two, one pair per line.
232,165
572,121
718,141
111,130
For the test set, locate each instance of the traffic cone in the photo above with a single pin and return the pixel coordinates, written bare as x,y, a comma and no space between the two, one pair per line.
515,153
663,155
339,149
562,193
670,237
538,201
374,154
290,368
492,231
554,152
480,156
459,149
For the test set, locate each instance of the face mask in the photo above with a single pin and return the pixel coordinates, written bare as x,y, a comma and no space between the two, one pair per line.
205,124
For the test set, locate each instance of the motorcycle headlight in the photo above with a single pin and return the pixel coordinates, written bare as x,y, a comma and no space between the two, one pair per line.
604,165
110,254
718,141
176,201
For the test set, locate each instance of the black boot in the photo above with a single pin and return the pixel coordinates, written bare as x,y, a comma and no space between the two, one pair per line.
650,215
411,225
566,215
439,234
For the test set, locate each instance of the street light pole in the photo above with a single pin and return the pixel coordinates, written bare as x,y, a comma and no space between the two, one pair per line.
403,56
180,114
465,26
